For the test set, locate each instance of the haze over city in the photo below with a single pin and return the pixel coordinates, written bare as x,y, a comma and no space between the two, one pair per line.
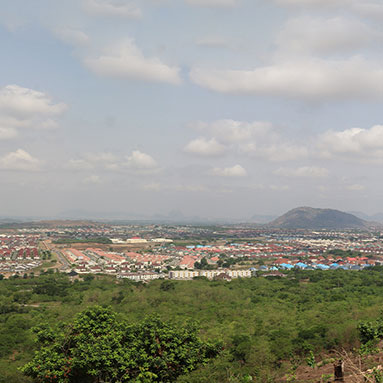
208,108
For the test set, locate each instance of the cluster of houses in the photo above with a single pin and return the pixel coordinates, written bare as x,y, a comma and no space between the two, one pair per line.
17,267
144,253
18,253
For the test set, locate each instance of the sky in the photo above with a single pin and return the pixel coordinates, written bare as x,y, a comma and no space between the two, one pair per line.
218,109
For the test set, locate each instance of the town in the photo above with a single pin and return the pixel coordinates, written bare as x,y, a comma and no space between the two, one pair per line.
153,251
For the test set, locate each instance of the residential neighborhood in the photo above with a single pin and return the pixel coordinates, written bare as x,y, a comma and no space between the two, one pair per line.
147,252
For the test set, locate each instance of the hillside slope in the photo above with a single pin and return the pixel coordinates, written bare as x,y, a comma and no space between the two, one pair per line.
311,218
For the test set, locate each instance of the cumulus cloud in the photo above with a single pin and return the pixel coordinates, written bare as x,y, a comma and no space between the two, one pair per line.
303,35
26,108
124,9
19,160
353,143
234,171
125,60
213,3
304,172
141,161
279,151
307,78
79,164
256,139
22,103
205,147
231,131
137,162
105,161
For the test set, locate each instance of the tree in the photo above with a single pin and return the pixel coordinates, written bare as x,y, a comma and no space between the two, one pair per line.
201,265
97,348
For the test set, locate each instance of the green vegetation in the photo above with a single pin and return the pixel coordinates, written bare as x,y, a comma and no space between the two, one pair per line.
65,241
97,347
267,326
45,254
344,253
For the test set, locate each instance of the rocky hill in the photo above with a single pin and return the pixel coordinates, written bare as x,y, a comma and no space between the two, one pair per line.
314,219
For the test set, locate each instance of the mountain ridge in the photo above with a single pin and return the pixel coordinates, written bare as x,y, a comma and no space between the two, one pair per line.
315,218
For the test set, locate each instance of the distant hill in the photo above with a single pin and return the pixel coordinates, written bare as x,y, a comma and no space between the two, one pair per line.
310,218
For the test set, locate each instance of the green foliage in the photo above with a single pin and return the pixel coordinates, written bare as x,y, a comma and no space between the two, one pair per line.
370,331
167,286
376,375
261,322
101,240
203,265
241,346
310,360
97,347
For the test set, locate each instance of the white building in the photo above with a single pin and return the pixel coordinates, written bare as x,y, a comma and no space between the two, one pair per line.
140,276
210,274
183,274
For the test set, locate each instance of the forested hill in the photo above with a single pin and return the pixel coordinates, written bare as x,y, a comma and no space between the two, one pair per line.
315,219
250,330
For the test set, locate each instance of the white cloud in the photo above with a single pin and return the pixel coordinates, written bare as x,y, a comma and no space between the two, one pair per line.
279,187
306,34
257,139
214,3
355,187
308,79
154,186
124,9
231,131
353,143
22,103
79,164
141,161
93,179
137,162
7,132
279,151
72,36
105,161
205,147
19,160
305,172
125,60
26,108
234,171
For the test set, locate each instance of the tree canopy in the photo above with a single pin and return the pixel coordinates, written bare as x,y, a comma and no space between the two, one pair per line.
97,347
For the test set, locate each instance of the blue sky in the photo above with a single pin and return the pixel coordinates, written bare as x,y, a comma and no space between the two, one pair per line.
212,108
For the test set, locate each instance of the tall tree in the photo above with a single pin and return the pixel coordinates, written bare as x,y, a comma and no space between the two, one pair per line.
97,348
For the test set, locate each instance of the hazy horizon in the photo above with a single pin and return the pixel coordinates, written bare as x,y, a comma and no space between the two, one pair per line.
219,109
